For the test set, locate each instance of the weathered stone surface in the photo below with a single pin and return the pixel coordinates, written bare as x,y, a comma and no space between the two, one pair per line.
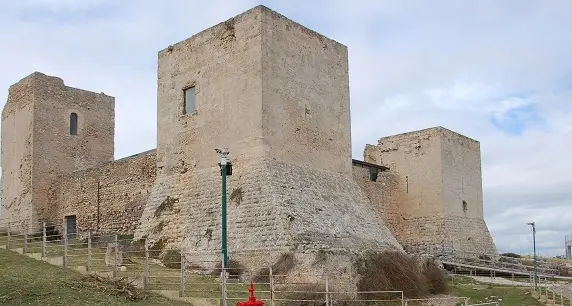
105,199
113,255
432,196
36,119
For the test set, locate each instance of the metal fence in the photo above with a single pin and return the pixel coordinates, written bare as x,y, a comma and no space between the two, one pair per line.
549,291
150,266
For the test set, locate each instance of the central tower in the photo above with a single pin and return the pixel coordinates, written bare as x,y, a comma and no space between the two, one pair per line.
276,94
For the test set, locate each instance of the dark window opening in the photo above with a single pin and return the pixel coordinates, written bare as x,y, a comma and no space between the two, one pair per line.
190,100
71,226
373,174
73,124
464,206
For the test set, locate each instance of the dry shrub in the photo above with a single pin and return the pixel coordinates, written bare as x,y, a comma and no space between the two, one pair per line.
235,269
171,259
281,267
397,271
435,280
112,286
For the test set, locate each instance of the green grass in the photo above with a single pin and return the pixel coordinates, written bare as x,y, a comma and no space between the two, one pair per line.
26,281
481,293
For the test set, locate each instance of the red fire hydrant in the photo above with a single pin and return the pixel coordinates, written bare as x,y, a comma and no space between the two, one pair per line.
252,300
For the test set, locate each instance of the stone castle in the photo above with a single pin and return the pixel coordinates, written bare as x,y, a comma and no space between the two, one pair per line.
276,94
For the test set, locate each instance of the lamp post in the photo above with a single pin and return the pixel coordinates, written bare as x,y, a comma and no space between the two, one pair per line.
534,246
223,166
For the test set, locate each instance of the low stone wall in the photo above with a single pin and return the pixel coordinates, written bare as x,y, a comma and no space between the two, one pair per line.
109,198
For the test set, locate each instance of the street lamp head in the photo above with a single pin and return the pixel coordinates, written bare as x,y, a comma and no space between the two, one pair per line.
531,223
222,150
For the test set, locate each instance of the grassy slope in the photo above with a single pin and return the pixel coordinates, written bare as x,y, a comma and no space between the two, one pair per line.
481,293
25,281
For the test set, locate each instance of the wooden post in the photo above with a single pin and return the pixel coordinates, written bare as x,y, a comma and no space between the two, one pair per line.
223,286
8,241
65,246
115,257
43,239
271,280
182,289
89,251
146,278
25,249
327,292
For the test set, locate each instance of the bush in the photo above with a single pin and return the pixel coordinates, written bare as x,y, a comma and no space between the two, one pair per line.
235,269
397,271
513,255
171,259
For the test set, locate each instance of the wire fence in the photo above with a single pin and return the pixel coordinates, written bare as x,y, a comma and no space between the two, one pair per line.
150,267
549,291
518,265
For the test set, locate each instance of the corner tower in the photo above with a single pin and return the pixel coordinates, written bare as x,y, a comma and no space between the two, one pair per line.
433,190
49,129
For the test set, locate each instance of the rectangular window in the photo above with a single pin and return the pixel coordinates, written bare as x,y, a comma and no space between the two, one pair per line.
190,100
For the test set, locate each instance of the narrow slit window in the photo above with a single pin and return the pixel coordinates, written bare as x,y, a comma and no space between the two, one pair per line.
190,100
73,124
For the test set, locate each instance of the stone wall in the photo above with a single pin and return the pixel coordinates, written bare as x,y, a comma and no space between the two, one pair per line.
17,142
305,95
105,199
387,194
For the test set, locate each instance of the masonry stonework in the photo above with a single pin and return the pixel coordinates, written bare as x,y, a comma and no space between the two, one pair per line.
276,94
436,191
39,145
105,199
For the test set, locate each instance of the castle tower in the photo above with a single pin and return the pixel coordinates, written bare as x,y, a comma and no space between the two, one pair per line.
434,190
276,94
49,129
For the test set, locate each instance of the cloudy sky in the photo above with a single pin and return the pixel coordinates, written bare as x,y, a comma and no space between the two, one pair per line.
496,71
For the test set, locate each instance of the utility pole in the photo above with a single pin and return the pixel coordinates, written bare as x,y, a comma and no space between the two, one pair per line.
223,166
534,246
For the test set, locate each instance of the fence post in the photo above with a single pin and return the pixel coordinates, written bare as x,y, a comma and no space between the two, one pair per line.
466,301
8,241
403,300
271,280
89,251
327,292
561,297
182,289
43,239
223,286
65,246
115,256
146,278
25,249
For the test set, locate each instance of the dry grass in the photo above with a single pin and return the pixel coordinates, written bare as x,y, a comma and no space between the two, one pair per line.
397,271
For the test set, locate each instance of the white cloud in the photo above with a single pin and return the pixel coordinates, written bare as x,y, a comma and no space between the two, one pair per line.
413,65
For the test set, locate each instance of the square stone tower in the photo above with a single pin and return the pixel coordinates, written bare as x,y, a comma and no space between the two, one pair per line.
436,195
260,84
49,129
276,94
